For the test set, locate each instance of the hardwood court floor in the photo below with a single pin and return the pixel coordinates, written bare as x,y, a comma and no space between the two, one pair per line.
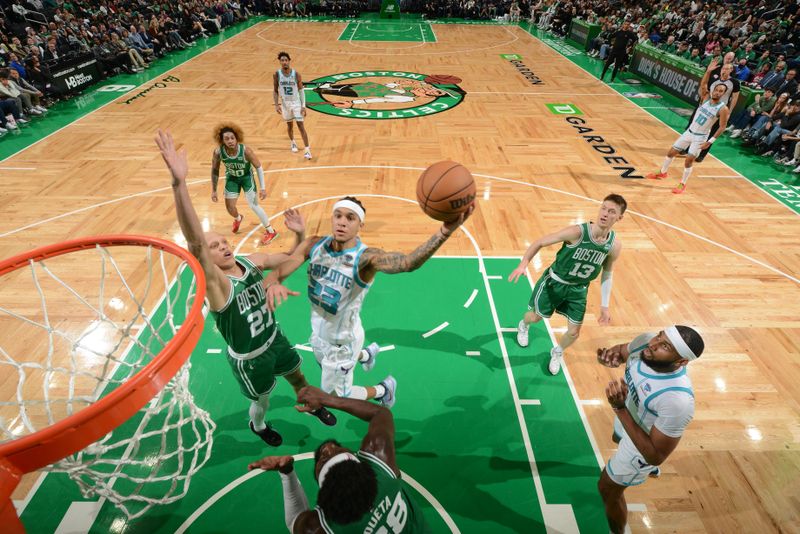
724,256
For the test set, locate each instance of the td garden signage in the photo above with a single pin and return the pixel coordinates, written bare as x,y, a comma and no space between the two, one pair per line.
383,94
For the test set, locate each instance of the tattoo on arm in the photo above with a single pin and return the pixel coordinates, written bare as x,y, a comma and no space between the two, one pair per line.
396,262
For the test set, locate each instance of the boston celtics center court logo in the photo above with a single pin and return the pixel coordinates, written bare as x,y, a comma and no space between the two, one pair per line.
383,94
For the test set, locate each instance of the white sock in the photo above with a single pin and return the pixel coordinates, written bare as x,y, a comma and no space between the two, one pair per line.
258,210
357,392
665,166
269,229
257,411
687,171
308,148
380,391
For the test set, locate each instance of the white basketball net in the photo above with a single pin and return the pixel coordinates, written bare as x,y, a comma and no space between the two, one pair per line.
69,341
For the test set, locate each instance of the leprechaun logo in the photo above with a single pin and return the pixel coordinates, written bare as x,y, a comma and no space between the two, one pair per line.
383,94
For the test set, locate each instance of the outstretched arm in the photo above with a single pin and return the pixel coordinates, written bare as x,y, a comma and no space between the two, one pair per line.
275,92
380,434
217,284
606,278
297,514
215,161
277,293
569,234
250,156
294,222
302,94
375,260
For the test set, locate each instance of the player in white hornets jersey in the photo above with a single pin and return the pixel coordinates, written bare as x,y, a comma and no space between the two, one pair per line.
340,272
696,139
653,405
288,86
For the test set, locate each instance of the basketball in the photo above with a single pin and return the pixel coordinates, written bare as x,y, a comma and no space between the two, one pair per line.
445,189
443,79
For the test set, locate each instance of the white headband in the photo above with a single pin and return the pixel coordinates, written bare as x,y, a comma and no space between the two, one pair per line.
349,204
680,345
339,458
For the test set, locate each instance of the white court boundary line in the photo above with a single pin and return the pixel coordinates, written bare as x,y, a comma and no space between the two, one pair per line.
750,181
307,456
403,167
387,53
575,398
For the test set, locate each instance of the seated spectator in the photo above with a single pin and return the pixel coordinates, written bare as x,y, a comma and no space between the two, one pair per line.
11,90
51,53
762,127
756,81
773,80
135,43
15,64
716,55
789,84
747,53
597,44
762,106
10,115
669,45
786,124
712,47
695,56
35,95
156,44
40,78
118,45
742,71
112,60
683,51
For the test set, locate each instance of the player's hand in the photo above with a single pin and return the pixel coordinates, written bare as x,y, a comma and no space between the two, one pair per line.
713,65
605,317
311,398
277,294
705,145
294,221
214,196
616,392
284,464
516,273
262,194
609,357
177,163
449,227
278,110
303,111
345,104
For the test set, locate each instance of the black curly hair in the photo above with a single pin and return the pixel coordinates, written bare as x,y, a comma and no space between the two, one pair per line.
349,492
692,338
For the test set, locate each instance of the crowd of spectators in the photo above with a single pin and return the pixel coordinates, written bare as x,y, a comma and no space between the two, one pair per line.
37,36
760,39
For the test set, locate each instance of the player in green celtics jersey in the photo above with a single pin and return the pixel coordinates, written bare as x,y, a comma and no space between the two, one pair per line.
239,161
359,492
587,250
257,349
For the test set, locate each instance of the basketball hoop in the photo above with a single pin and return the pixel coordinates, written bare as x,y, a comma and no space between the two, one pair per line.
145,318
